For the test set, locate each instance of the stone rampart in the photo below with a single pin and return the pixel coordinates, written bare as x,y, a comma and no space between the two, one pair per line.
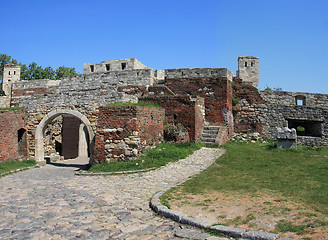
4,102
290,98
199,73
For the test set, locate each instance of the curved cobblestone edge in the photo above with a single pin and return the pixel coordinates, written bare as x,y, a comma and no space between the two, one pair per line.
17,170
156,205
82,172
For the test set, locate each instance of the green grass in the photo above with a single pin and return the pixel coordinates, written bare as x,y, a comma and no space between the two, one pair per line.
153,158
12,108
141,104
300,175
13,165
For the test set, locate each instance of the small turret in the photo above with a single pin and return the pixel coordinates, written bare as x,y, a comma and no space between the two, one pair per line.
248,69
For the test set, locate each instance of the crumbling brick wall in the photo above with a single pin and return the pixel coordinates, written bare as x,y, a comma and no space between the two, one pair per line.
123,132
217,92
13,143
185,110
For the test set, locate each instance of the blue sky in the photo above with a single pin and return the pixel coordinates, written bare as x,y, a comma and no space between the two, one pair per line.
289,36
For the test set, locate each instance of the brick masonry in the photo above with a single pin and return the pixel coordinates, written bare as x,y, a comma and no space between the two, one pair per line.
185,110
123,132
13,142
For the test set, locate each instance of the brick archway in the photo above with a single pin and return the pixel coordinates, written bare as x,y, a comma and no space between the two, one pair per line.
39,144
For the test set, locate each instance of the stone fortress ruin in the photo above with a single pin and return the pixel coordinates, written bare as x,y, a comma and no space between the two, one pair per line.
71,117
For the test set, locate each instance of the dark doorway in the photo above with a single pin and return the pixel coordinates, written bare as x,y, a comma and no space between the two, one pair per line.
70,137
306,128
22,143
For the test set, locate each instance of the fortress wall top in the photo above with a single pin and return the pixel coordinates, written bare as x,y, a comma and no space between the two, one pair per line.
198,73
85,91
295,98
113,65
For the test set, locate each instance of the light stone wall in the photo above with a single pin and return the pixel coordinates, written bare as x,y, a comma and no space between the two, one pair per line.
114,65
4,102
198,73
289,98
11,74
248,70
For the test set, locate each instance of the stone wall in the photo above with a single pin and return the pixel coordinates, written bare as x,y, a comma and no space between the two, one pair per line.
123,132
184,110
4,102
198,73
289,98
13,143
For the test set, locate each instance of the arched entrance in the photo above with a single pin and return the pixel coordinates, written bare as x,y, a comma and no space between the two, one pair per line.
39,135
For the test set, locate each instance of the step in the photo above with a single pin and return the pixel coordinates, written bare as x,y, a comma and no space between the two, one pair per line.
208,139
208,143
210,131
212,128
204,135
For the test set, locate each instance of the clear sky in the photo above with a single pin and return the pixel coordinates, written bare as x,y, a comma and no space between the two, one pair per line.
289,36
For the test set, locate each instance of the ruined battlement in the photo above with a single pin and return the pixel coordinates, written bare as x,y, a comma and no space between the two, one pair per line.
198,73
113,65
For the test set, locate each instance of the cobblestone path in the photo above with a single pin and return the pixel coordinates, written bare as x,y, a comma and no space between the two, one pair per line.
52,203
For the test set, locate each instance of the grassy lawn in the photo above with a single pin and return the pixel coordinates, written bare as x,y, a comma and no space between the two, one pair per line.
290,186
153,158
13,165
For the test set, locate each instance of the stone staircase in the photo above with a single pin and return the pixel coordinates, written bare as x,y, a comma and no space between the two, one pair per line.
210,134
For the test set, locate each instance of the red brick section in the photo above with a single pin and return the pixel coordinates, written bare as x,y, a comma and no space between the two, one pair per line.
12,127
246,91
123,125
217,93
182,109
246,117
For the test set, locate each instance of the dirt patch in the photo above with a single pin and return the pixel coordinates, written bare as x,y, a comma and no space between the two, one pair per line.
264,211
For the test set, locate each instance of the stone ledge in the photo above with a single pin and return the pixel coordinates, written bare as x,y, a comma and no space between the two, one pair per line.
17,170
84,173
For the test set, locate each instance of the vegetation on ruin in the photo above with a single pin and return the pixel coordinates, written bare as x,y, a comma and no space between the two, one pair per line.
14,165
152,158
289,186
141,104
12,108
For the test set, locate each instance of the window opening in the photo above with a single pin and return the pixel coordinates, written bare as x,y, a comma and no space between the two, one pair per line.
245,64
123,66
107,67
300,100
14,72
306,128
252,64
92,68
9,73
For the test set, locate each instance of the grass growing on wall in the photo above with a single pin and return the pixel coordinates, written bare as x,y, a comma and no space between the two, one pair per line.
12,108
153,158
141,104
13,165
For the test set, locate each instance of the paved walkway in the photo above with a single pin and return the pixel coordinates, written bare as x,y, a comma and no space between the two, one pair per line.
52,203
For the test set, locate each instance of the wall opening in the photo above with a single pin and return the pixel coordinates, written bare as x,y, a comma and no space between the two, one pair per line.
77,136
245,64
306,128
22,143
107,67
92,68
300,100
9,73
123,66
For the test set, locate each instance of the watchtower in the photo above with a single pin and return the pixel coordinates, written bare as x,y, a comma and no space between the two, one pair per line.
248,69
11,74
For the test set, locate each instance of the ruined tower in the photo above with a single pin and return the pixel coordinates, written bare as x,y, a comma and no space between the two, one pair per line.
11,74
248,69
